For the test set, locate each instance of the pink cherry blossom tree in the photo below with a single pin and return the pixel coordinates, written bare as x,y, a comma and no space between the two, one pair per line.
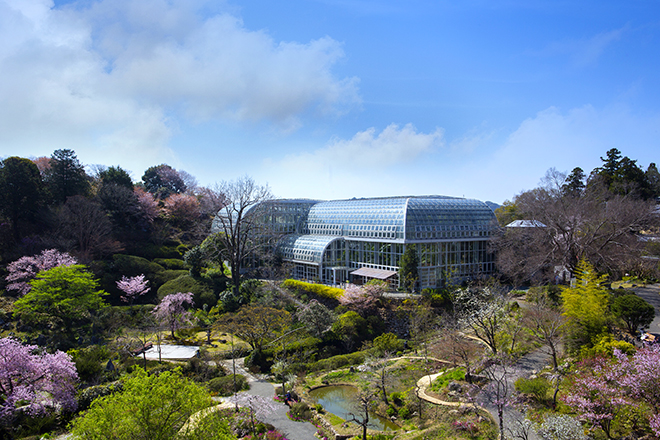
172,310
133,287
642,378
597,393
33,383
25,269
258,406
148,204
362,299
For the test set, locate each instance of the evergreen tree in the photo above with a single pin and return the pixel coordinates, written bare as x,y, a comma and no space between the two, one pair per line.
66,176
622,175
653,178
22,192
116,176
574,184
408,274
586,305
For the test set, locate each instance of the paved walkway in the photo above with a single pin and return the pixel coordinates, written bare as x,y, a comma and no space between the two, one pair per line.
524,367
260,387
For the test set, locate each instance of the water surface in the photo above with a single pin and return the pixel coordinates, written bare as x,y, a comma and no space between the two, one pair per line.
338,400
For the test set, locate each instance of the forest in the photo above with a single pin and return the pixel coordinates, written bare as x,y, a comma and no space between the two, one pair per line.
97,267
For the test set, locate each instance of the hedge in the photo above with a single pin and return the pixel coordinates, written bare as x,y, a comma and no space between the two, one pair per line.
317,289
202,291
224,386
339,361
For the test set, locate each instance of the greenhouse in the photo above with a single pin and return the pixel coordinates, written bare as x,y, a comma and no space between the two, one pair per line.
334,242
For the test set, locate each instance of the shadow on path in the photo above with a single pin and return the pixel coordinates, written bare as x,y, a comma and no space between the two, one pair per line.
260,387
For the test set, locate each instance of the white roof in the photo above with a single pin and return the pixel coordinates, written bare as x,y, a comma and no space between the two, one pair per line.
525,224
172,352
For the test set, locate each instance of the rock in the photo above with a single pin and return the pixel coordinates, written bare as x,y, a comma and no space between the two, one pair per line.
454,386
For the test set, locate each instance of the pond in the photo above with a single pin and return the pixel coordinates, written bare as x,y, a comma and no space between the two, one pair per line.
337,399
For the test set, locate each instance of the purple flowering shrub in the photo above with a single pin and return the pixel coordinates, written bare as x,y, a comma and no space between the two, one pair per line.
25,269
34,383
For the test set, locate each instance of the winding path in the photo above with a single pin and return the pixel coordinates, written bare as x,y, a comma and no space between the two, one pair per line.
260,387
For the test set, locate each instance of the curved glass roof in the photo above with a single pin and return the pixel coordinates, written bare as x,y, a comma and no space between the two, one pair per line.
397,218
305,248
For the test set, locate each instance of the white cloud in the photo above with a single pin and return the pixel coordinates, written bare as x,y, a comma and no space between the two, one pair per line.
565,140
476,165
364,165
391,146
115,75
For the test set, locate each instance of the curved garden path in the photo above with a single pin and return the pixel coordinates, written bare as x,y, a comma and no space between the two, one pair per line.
260,387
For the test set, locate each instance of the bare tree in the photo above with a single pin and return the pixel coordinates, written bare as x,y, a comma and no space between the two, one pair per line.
482,310
239,228
363,400
84,226
499,372
563,228
547,325
457,348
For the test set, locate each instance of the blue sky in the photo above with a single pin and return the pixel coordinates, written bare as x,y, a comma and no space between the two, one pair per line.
336,98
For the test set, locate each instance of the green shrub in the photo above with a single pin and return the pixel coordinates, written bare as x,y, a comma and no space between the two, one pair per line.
448,376
201,371
171,263
317,289
203,293
537,387
131,265
397,398
336,362
151,251
88,395
304,345
405,412
605,346
90,361
300,411
166,275
224,385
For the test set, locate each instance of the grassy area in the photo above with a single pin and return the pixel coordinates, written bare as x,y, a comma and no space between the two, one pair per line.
418,419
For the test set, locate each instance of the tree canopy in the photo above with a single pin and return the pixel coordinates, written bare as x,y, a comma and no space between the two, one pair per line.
22,192
60,297
34,383
154,407
257,325
66,176
162,181
237,231
408,275
596,225
633,311
586,306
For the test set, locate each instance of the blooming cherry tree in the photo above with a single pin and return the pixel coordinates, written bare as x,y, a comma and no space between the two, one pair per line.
597,394
133,287
34,383
172,310
258,406
25,269
362,298
643,379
